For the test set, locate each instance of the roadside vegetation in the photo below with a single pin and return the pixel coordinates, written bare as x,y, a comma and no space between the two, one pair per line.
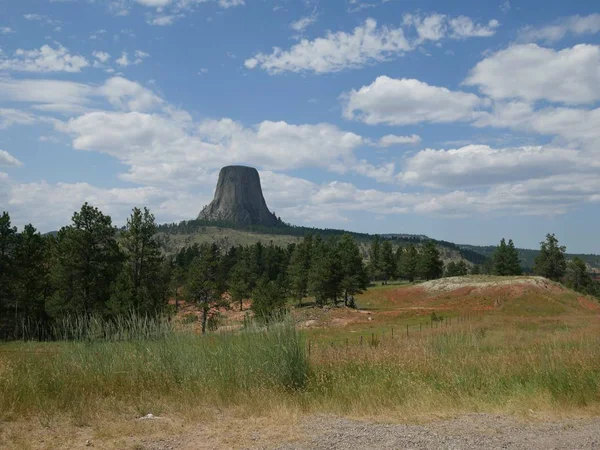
94,321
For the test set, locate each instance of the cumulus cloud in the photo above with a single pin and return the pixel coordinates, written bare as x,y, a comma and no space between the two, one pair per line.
532,73
336,51
390,140
6,159
44,59
138,58
6,30
481,165
435,27
161,149
573,25
407,101
366,44
101,56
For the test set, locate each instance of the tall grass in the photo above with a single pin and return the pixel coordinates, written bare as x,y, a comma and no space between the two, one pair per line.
474,368
484,366
94,328
181,367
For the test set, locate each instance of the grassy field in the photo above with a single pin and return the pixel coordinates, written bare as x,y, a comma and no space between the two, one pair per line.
515,350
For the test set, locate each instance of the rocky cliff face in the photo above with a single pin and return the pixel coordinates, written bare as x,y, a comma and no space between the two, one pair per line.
239,199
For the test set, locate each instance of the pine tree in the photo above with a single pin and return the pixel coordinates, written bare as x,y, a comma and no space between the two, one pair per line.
298,269
143,267
354,276
8,238
202,286
86,261
500,259
325,275
551,262
268,300
388,261
240,281
430,265
410,260
375,261
30,278
577,276
512,259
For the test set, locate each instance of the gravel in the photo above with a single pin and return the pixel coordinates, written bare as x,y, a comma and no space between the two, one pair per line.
473,431
467,432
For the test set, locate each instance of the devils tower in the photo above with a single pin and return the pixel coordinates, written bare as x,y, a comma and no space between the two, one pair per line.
239,199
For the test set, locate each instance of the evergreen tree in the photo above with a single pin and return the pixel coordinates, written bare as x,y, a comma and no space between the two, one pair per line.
268,300
430,265
410,261
505,260
240,280
354,275
551,262
298,269
375,260
8,239
577,276
324,276
86,261
143,278
500,259
476,269
30,278
388,261
512,260
202,286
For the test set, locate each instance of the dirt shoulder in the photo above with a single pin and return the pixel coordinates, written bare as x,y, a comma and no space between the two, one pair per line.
316,432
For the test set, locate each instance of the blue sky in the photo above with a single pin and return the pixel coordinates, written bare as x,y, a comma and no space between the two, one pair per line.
467,121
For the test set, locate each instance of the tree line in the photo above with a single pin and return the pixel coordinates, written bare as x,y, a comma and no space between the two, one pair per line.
92,268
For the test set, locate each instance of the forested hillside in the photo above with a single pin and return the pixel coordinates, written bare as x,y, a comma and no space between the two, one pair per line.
527,256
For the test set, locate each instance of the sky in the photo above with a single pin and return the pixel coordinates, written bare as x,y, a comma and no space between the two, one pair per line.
466,121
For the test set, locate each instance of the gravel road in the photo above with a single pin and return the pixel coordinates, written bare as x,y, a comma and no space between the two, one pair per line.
474,431
467,432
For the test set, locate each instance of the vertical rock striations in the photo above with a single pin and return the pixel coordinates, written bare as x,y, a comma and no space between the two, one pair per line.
239,199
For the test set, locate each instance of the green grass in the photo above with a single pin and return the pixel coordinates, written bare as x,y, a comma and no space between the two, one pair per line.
78,377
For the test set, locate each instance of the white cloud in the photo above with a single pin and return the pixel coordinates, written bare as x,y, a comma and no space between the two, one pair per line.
231,3
390,140
336,51
163,21
6,159
481,165
534,73
128,95
435,27
162,149
303,23
44,59
101,56
139,57
366,44
505,7
9,117
574,126
408,101
154,3
463,27
575,25
6,30
67,97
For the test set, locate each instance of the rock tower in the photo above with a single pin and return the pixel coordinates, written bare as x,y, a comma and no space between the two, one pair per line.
239,199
